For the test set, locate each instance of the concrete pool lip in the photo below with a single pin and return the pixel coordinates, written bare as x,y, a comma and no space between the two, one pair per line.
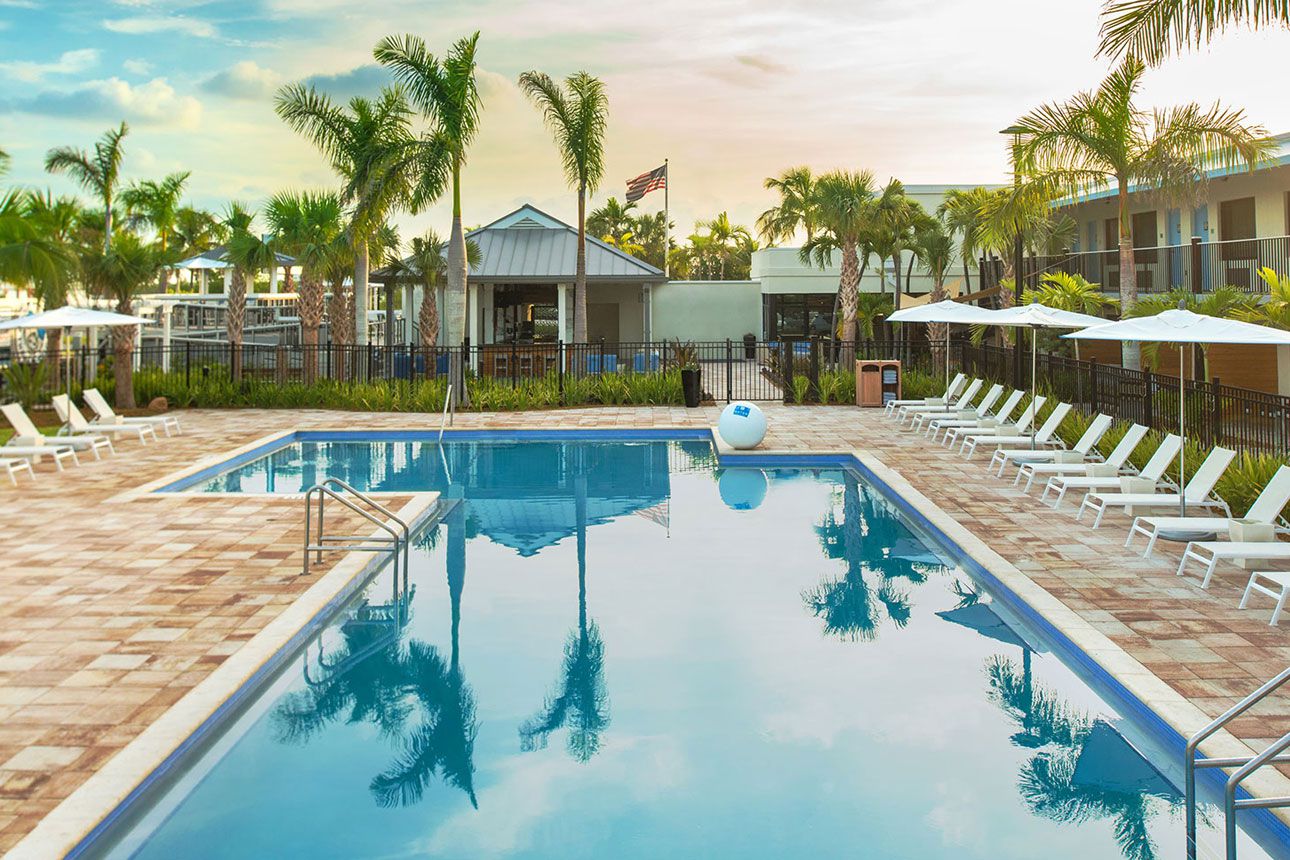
75,824
1062,618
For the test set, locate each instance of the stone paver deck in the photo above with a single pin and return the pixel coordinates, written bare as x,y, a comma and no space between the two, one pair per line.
111,612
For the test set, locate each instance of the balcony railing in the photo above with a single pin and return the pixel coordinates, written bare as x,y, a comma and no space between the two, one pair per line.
1197,266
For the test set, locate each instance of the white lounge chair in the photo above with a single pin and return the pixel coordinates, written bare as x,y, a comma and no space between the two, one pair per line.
951,395
104,414
1154,470
951,391
1045,437
74,423
1278,587
29,437
14,465
37,449
1197,493
963,409
1082,448
1117,462
1019,428
1210,552
1266,508
955,426
911,412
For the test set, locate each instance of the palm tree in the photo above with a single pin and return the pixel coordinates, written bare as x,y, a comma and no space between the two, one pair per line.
934,248
1069,292
1098,137
1152,29
577,115
248,252
156,204
98,173
308,226
796,207
363,144
428,263
843,203
611,222
4,162
896,223
651,234
41,246
1225,301
119,273
726,241
961,213
1275,310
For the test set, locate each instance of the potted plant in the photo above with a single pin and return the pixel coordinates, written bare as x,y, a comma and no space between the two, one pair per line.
687,359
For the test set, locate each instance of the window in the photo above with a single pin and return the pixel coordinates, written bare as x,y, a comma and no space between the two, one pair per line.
799,315
1236,221
524,314
1144,236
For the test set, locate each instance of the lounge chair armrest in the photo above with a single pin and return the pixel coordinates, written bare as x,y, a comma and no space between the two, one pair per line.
1136,485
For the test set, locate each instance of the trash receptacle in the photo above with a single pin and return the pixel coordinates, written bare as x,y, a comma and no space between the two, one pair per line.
750,346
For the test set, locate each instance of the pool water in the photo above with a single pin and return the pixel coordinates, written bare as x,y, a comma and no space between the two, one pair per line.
613,649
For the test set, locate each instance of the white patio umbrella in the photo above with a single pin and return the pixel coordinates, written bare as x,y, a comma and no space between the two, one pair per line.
1034,317
68,318
948,311
1184,327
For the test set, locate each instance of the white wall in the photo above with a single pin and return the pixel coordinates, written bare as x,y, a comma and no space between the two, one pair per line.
707,310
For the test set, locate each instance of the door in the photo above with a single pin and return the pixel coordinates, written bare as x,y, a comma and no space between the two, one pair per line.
1173,238
1200,227
602,322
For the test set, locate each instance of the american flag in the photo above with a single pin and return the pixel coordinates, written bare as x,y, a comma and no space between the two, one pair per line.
646,182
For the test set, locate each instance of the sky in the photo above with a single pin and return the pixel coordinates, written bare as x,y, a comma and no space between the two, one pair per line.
731,91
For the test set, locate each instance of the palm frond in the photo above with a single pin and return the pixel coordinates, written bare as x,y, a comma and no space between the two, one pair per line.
1153,29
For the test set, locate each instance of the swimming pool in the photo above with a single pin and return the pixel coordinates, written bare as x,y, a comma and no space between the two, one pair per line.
619,649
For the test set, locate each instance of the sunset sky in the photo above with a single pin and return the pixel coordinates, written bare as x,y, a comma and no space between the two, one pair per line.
730,91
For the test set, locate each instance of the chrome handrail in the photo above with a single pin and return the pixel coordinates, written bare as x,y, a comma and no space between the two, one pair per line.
398,538
447,402
1245,765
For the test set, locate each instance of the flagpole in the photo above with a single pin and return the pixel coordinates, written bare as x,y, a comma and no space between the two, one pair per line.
667,230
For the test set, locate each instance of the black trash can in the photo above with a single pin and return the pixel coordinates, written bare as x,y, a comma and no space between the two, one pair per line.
750,346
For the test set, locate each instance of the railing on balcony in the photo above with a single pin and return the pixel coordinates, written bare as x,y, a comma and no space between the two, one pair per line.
1197,266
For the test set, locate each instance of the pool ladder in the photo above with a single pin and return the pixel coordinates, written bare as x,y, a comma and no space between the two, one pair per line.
395,544
1244,765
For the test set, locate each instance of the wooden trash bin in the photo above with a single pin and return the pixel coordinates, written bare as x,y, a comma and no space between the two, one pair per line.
877,382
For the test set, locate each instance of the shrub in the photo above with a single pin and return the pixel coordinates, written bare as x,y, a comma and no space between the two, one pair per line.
26,382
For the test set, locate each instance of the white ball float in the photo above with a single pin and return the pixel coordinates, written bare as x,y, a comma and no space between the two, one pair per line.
742,425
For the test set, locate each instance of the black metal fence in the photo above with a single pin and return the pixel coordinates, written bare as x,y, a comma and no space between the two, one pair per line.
1196,266
1217,414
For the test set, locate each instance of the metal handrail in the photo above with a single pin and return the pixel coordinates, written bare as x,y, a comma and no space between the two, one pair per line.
1247,765
447,401
398,539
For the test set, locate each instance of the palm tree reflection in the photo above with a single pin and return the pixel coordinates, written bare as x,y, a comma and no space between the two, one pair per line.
580,702
407,690
1082,769
852,606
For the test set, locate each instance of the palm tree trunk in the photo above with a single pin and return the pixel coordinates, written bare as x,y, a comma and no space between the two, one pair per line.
580,279
53,350
360,292
455,294
849,297
311,310
895,259
967,277
1130,352
107,221
123,358
235,322
428,318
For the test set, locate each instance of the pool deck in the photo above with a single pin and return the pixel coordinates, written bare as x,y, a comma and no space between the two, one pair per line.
114,608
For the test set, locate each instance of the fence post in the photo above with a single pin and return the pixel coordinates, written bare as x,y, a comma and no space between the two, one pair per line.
515,357
1197,266
730,372
559,369
786,368
814,371
1149,402
1092,384
1215,414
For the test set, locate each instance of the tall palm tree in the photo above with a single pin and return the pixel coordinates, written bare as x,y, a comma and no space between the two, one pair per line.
98,173
961,213
796,207
650,232
428,263
1153,29
726,241
307,226
447,94
896,222
249,253
119,273
612,221
843,202
934,247
577,114
363,144
42,245
156,205
1102,137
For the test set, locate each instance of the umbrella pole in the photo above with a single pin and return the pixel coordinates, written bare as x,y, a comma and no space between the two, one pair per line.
1182,433
67,340
947,363
1034,364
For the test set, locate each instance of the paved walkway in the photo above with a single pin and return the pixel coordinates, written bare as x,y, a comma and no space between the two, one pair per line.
110,613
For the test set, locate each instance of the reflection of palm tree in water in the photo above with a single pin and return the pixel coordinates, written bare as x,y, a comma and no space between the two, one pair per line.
850,606
407,691
581,702
1049,783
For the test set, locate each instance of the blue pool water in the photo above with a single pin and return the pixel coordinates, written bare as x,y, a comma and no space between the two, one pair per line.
619,650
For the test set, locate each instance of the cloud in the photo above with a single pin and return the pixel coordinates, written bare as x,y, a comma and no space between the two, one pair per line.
244,80
68,63
365,80
142,25
137,67
155,102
